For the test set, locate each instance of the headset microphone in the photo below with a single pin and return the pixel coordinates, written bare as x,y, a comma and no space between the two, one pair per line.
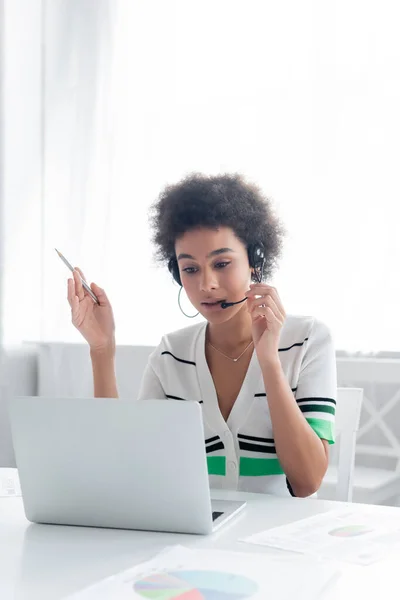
228,304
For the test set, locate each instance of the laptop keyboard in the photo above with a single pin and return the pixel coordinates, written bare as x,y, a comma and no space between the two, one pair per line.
216,514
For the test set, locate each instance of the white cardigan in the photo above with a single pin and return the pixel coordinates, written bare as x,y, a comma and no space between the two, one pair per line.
241,452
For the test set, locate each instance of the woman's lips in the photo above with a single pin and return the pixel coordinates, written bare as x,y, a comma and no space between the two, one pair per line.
216,305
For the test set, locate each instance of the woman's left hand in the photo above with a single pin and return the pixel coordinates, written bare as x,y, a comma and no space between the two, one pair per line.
268,317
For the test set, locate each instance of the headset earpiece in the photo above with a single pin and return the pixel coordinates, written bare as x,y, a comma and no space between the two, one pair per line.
174,270
256,255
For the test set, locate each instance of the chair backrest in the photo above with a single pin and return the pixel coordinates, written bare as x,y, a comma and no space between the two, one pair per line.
65,370
379,435
347,421
7,458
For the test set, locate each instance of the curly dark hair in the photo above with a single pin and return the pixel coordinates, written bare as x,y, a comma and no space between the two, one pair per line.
215,201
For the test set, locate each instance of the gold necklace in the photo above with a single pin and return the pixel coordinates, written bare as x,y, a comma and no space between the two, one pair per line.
230,358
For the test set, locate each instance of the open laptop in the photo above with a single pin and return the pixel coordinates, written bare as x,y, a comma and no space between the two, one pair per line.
103,462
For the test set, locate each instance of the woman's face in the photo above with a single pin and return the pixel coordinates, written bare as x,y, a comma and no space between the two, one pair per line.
214,267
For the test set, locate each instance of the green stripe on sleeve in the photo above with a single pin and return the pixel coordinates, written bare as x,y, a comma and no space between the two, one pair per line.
256,467
324,429
216,465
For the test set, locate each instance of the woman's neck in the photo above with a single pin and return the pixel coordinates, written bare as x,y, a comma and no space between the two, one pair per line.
231,335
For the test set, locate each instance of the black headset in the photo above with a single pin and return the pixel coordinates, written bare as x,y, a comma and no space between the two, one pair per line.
255,252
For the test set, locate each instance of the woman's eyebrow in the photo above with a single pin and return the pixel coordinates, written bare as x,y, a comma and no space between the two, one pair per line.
213,253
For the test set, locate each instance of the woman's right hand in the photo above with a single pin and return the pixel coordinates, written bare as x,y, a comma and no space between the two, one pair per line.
94,321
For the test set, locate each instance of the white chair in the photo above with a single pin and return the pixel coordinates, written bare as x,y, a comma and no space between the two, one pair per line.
340,475
66,370
7,458
377,470
18,377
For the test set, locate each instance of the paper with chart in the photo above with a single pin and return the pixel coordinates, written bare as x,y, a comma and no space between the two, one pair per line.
359,535
9,483
179,573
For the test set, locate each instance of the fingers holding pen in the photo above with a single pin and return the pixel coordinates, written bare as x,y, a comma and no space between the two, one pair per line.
79,291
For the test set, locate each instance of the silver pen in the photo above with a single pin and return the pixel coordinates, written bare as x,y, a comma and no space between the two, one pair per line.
85,285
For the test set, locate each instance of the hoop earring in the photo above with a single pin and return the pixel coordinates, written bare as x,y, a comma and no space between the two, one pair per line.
256,275
179,303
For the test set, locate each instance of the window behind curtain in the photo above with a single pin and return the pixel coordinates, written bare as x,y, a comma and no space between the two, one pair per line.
302,98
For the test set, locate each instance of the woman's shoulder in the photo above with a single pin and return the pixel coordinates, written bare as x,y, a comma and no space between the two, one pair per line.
298,329
181,343
185,334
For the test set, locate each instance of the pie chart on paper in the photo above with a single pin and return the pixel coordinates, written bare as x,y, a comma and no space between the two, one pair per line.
195,585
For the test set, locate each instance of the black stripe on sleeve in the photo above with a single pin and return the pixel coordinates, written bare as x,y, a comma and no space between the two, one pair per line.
292,346
186,362
315,399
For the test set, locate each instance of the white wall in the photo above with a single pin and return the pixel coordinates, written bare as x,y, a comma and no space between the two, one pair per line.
316,124
1,171
22,168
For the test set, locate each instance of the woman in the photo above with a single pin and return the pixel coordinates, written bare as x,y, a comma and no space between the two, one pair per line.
266,380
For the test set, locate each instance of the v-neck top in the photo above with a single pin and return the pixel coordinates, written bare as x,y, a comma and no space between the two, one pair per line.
240,451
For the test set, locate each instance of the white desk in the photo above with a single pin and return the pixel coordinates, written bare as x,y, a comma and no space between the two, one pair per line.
48,562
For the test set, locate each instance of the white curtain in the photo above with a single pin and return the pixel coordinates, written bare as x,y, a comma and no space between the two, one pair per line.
300,97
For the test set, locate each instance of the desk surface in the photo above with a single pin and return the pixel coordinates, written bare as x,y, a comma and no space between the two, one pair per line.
49,562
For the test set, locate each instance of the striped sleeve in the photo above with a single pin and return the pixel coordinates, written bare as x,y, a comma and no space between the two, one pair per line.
317,384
